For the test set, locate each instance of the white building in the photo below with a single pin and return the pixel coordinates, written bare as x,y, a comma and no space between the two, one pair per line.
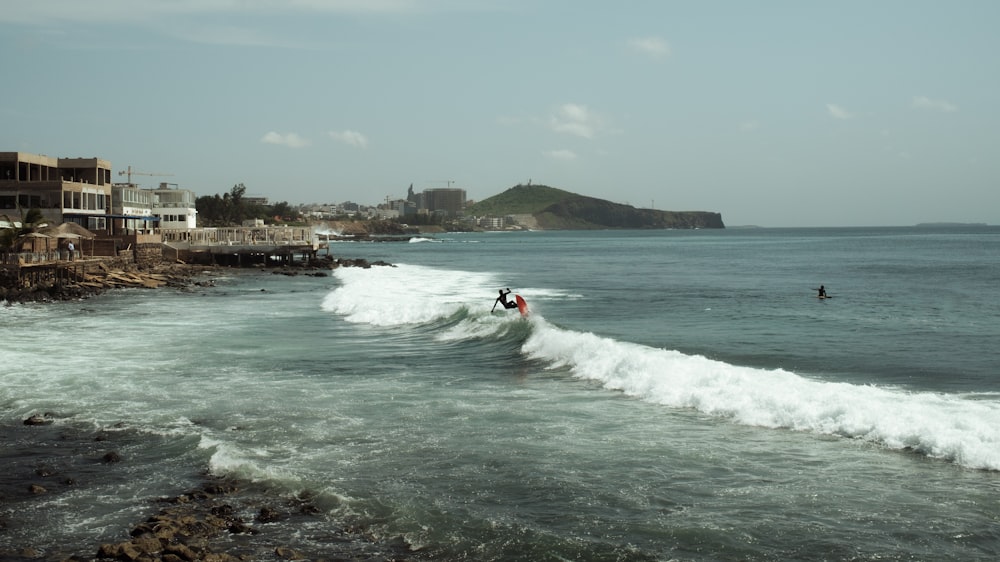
131,209
175,207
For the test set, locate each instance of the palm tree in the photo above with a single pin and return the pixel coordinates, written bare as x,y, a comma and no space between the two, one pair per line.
30,222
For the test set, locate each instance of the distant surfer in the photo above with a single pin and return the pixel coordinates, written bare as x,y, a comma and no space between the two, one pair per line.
822,292
502,299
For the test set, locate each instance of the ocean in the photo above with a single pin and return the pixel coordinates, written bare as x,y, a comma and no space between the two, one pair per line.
673,395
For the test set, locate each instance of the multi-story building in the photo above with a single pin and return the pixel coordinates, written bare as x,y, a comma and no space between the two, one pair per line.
175,207
449,201
80,190
64,189
131,209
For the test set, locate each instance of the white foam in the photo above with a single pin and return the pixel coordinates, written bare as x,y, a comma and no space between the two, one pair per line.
405,294
938,425
958,428
228,459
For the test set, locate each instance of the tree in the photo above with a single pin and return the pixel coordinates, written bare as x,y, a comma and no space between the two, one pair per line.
211,210
229,209
284,210
29,223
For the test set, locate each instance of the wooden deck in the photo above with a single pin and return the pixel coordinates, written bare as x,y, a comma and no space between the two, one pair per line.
32,272
242,246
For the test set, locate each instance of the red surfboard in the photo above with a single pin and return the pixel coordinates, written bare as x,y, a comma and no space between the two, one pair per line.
521,305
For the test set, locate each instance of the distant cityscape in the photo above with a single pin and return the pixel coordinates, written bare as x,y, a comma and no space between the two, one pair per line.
82,191
445,201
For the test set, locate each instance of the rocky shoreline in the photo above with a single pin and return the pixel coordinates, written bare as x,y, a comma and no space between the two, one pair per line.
221,520
216,520
177,275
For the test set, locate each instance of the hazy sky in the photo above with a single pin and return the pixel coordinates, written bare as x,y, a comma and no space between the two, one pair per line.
771,112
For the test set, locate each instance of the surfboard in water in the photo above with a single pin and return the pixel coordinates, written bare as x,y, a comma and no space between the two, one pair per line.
521,305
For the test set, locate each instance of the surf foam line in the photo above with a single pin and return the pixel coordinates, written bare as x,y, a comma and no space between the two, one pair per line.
949,427
408,294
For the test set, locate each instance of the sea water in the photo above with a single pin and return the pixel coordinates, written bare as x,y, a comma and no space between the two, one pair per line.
672,395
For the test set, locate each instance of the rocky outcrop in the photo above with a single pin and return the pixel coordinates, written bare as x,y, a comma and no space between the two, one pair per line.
183,530
99,279
555,209
36,419
220,520
589,213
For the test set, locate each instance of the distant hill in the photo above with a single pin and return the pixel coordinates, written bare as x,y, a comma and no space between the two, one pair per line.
556,209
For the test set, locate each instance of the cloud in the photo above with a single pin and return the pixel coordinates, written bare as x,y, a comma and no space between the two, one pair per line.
750,125
652,46
922,102
352,138
838,112
575,119
291,140
560,154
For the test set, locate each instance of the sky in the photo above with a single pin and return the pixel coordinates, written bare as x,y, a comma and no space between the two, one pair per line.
777,113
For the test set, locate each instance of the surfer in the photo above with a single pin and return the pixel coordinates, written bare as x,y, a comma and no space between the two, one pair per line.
502,299
822,292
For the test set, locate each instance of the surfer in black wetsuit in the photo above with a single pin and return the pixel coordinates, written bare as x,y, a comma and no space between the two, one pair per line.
502,299
822,292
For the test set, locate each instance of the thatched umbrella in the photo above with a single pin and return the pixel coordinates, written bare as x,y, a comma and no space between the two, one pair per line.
62,230
69,230
32,237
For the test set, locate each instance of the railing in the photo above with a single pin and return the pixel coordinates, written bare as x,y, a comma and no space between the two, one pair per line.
240,236
28,258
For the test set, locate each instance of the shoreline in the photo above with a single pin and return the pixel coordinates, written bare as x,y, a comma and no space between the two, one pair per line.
175,275
219,519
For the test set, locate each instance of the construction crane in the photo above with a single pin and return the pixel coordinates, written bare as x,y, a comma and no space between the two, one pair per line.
130,172
448,182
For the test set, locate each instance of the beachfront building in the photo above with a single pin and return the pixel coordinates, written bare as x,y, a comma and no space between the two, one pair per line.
175,208
131,209
139,209
74,190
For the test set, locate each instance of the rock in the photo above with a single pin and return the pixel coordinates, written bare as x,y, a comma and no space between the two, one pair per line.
183,551
238,527
268,515
112,457
147,544
36,419
108,550
36,489
224,510
287,553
